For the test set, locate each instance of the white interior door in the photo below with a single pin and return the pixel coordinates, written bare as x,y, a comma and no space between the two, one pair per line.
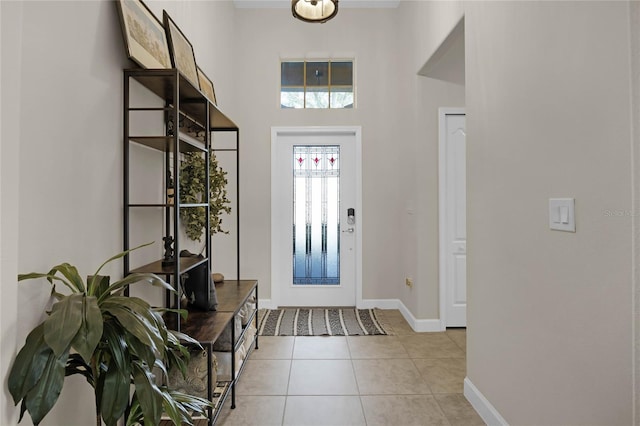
314,238
453,218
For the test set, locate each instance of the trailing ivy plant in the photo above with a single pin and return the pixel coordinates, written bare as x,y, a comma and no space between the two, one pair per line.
192,191
117,343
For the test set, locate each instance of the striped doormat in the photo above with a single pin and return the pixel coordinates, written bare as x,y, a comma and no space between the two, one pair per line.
320,322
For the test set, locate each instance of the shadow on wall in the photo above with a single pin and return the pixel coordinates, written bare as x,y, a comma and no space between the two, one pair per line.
447,63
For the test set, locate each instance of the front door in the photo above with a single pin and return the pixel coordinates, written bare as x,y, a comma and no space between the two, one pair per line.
453,219
315,220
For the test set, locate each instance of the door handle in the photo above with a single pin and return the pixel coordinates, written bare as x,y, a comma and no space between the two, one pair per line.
349,230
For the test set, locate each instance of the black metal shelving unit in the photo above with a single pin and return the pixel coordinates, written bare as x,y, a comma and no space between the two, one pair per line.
184,102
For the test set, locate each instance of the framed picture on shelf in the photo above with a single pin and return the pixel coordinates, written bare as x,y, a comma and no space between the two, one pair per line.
206,86
181,50
144,36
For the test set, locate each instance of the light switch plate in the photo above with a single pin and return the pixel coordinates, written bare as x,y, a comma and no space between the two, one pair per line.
562,214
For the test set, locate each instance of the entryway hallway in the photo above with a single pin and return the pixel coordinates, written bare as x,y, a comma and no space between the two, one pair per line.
402,379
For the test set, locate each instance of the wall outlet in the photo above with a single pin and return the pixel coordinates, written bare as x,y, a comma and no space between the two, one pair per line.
408,282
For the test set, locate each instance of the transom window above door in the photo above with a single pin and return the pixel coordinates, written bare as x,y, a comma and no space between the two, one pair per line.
316,84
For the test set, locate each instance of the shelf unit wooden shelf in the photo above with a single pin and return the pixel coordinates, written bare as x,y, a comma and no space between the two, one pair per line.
183,206
165,143
166,82
186,105
186,264
207,327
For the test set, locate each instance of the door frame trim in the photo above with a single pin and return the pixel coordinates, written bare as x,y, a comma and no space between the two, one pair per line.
355,131
442,207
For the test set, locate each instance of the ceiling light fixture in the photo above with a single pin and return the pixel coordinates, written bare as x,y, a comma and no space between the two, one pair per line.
316,11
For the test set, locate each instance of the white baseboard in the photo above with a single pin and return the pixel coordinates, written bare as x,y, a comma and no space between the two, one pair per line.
379,303
418,325
482,405
421,325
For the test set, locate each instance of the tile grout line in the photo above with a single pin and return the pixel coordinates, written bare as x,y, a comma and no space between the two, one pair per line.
440,401
421,375
441,409
286,393
355,377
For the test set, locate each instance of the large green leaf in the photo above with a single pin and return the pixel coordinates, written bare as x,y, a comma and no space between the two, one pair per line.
160,368
23,409
137,278
148,394
182,312
139,350
115,394
49,277
70,272
76,365
136,325
175,411
170,341
100,285
101,374
177,354
178,336
136,305
115,343
93,282
135,412
143,310
174,347
159,322
191,403
90,331
29,364
179,361
64,322
42,397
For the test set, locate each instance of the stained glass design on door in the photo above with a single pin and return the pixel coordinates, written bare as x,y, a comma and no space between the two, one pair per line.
316,218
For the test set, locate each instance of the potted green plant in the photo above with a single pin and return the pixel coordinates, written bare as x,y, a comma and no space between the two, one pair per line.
114,341
193,191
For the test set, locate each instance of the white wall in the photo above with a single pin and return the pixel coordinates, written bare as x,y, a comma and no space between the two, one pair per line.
429,24
398,114
369,37
550,314
209,26
10,81
68,181
422,27
635,119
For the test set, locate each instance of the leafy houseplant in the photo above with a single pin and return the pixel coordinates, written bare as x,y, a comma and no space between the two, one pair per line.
192,190
114,341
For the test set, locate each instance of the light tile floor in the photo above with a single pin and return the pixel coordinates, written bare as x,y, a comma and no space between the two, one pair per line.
402,379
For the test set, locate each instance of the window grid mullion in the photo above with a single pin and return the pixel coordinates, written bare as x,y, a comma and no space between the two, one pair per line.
329,87
329,82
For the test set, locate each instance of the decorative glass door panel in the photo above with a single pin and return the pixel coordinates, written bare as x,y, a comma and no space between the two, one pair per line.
316,215
315,220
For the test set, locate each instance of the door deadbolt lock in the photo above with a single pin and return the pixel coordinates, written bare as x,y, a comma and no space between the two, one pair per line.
351,216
